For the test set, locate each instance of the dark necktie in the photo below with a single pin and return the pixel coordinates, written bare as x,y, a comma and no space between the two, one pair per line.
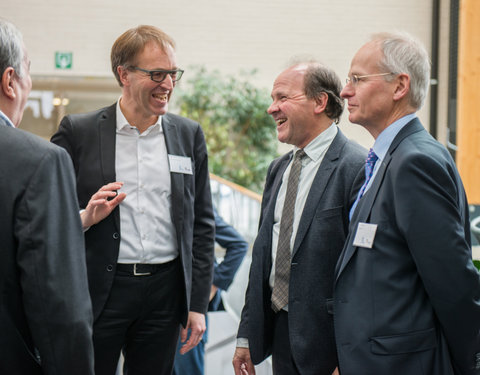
283,258
369,165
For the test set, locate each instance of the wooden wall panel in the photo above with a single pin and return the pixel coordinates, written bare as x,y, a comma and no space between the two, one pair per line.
468,107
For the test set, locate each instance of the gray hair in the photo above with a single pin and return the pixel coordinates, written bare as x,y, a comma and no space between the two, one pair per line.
402,53
11,47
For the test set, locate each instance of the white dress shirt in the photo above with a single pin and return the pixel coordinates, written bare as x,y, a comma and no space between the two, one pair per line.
141,163
315,151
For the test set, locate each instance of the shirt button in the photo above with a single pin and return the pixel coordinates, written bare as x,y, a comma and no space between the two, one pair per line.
109,268
116,236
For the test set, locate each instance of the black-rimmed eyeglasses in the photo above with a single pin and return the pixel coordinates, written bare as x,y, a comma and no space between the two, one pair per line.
159,75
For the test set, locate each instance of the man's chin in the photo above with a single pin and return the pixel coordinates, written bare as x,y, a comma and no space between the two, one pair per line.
282,136
161,111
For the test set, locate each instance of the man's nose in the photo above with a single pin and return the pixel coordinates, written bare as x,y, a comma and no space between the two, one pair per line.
347,91
168,82
273,108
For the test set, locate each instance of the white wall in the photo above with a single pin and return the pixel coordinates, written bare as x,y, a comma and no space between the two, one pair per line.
221,34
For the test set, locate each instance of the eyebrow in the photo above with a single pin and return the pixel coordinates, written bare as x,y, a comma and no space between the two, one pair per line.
277,93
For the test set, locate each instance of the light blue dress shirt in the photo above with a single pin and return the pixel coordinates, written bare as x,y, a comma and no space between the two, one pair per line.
6,119
381,146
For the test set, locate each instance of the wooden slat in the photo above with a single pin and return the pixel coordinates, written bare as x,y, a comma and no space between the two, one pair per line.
468,107
239,188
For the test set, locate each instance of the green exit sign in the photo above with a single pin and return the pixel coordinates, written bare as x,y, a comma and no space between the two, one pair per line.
63,60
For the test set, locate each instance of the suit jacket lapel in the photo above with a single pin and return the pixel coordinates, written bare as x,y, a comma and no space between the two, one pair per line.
277,182
107,128
364,207
325,170
173,148
268,212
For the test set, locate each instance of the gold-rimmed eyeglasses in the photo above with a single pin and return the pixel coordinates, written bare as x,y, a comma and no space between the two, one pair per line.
354,79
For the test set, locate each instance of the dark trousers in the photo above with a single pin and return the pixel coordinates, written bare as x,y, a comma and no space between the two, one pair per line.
140,318
282,360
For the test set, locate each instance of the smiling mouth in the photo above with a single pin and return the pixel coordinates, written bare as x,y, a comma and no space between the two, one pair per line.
162,97
280,121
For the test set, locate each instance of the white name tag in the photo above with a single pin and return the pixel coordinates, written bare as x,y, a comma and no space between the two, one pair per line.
365,235
180,164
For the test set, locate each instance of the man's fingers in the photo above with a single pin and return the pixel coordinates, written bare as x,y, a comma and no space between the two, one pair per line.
183,334
193,340
112,186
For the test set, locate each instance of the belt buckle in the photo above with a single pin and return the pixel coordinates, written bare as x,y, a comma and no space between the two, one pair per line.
135,273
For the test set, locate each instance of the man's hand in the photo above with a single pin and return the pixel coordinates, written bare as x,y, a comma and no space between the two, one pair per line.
213,291
196,325
335,372
242,363
99,207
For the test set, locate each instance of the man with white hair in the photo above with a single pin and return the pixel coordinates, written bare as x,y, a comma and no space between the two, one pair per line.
407,296
45,310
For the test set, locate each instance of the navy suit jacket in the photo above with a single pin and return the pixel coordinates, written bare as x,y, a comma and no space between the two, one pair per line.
90,140
321,233
411,303
235,249
45,311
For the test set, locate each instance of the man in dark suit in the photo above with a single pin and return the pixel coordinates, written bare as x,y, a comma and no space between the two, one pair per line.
298,330
193,362
45,312
149,259
407,296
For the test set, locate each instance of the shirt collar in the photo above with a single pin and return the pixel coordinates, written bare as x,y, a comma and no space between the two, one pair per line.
8,122
123,124
316,148
386,137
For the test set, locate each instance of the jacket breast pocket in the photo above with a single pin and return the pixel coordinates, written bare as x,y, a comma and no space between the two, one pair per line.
329,212
405,343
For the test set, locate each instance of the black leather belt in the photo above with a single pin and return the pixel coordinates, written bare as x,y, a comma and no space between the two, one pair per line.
142,269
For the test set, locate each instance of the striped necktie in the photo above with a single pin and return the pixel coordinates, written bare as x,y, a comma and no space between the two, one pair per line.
283,258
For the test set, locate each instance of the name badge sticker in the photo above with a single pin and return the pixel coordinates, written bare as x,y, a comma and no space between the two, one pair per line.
180,164
365,235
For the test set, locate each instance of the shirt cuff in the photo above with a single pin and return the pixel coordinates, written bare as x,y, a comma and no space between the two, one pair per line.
87,228
242,342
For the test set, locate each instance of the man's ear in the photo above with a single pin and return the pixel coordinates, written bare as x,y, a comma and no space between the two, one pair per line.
123,74
8,83
321,103
402,87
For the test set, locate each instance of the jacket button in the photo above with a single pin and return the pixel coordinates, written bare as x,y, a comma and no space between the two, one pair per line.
116,236
109,268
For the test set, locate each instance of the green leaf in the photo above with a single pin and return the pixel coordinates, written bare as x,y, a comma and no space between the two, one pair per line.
241,137
476,264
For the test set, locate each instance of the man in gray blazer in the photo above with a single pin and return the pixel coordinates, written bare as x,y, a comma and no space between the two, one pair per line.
45,310
149,247
296,327
407,296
